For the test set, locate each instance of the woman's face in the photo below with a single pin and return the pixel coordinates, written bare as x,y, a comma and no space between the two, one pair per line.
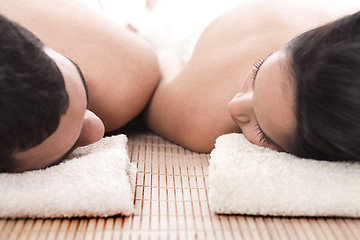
264,106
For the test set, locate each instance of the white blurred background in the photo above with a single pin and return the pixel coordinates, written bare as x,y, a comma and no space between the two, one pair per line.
179,21
137,11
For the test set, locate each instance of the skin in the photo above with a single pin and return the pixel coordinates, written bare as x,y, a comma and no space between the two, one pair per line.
78,123
120,68
276,118
192,108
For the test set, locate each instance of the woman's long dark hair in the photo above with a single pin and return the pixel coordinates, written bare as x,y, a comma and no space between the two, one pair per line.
325,66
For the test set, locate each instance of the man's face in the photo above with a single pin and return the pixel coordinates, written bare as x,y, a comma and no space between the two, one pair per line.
77,127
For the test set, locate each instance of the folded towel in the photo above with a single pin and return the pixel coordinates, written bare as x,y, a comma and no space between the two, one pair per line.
248,179
97,180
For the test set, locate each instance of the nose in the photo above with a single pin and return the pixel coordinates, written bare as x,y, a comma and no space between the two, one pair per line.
92,130
241,107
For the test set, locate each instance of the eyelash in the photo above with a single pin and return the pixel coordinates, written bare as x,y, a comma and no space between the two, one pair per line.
263,138
256,66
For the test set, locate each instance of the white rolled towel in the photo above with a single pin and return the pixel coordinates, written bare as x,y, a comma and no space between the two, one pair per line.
248,179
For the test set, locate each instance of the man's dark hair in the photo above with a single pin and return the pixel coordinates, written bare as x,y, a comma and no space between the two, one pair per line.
32,92
325,64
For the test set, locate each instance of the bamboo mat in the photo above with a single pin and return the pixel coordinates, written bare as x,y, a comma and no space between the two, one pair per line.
171,203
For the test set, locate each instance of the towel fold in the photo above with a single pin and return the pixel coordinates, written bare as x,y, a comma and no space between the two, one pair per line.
248,179
97,180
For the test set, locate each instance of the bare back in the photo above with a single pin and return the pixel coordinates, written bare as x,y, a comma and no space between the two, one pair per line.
120,68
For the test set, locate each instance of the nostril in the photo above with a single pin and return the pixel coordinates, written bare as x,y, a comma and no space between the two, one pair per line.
243,119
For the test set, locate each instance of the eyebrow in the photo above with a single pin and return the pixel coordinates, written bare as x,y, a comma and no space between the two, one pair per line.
268,139
64,156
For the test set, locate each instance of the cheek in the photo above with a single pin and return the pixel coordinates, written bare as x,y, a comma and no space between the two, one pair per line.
251,134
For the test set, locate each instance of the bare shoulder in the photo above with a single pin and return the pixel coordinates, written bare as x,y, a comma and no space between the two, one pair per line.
191,109
117,64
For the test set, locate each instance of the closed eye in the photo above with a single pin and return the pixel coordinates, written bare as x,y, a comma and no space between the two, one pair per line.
264,139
